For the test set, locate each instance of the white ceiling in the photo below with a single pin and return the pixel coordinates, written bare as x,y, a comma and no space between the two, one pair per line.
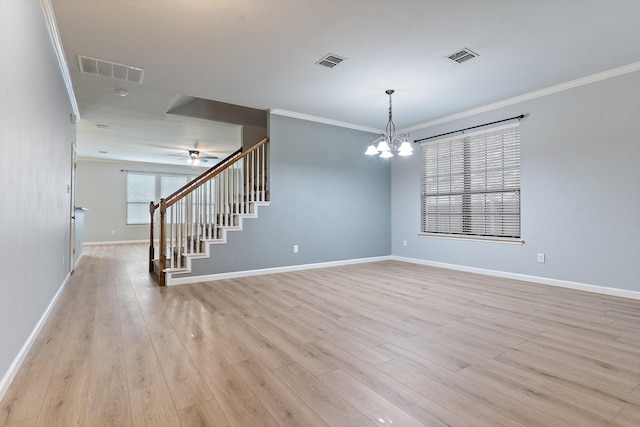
262,54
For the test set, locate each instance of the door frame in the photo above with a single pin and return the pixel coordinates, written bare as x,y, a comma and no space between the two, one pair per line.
72,208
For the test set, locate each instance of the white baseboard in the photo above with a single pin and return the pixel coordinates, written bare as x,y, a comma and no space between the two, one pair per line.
624,293
22,354
75,265
115,242
247,273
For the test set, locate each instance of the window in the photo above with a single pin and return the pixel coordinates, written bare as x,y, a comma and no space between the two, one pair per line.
141,190
470,185
171,183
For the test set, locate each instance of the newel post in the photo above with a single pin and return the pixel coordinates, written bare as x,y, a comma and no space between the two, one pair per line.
163,242
152,209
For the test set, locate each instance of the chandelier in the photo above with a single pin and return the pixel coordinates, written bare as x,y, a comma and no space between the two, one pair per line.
388,142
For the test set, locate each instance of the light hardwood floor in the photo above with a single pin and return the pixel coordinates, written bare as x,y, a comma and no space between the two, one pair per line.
385,343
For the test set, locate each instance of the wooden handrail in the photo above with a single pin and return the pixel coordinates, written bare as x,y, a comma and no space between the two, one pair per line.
210,174
213,171
196,179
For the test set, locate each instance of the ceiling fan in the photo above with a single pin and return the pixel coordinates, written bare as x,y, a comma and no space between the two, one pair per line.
195,157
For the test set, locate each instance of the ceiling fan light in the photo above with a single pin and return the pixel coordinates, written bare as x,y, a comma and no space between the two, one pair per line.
196,161
189,160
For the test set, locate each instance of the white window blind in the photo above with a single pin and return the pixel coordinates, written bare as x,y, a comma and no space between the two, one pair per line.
171,183
141,189
470,184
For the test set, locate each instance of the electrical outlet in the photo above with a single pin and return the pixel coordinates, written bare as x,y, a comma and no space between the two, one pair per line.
113,232
541,257
295,249
404,243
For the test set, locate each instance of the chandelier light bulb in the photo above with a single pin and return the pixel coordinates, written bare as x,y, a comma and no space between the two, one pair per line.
371,151
383,145
405,149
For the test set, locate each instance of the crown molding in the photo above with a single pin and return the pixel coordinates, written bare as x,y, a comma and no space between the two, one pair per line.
310,118
614,72
198,169
54,35
625,69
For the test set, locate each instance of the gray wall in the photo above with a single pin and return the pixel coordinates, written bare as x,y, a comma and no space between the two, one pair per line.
36,136
326,197
102,188
580,190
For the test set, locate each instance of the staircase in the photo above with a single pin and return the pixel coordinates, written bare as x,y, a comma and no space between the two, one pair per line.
202,212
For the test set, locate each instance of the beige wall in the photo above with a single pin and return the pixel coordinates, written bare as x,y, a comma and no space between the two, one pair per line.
102,188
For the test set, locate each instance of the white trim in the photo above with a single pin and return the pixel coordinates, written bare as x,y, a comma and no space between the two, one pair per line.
115,242
168,272
310,118
624,293
614,72
625,69
247,273
156,165
22,354
470,237
54,35
78,261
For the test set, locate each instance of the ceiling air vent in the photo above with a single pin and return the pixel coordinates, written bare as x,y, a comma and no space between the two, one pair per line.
462,55
102,127
103,68
330,60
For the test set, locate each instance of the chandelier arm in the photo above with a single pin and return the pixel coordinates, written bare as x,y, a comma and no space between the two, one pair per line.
399,139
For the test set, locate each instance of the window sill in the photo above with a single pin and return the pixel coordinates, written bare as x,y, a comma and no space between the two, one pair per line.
506,240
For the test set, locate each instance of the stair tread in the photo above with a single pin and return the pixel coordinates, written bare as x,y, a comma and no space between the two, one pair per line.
176,270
